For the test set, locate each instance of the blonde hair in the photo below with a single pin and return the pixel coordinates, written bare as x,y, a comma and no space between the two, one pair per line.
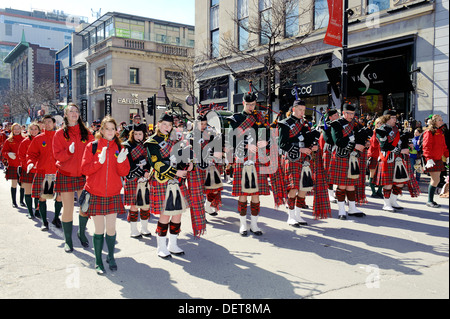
108,119
11,136
432,123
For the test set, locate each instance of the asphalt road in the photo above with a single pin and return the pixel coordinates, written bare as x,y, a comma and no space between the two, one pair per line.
381,256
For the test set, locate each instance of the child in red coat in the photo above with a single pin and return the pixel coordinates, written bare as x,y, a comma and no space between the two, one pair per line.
104,164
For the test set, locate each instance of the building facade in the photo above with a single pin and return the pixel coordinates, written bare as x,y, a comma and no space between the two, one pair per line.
397,54
47,29
120,60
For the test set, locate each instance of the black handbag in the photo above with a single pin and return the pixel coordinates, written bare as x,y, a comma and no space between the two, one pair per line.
83,200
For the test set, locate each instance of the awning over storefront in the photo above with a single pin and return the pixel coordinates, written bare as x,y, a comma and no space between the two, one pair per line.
382,76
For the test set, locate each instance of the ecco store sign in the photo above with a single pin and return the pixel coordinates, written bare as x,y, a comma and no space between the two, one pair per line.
304,90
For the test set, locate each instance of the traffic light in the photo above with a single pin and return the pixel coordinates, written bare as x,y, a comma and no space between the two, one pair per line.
150,105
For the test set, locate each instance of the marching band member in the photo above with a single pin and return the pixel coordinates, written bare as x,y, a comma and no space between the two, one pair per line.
27,178
40,157
104,163
9,152
248,180
434,150
297,145
391,172
344,170
69,144
327,141
136,193
167,194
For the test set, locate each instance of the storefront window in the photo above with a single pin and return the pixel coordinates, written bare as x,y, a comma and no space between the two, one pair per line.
377,5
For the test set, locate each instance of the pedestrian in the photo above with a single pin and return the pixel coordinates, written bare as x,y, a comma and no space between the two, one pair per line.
248,180
344,170
125,133
298,148
69,144
40,157
389,167
373,154
415,152
26,178
9,152
167,194
434,149
104,163
136,183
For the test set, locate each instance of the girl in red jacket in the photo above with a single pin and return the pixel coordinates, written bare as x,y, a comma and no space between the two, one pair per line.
9,151
434,148
105,163
69,144
40,157
26,179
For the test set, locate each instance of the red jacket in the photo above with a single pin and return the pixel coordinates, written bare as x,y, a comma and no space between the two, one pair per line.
103,179
23,150
40,153
12,147
433,145
374,149
67,163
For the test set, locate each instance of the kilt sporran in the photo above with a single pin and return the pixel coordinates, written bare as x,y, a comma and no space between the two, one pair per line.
249,181
353,167
213,180
143,195
174,202
306,181
400,173
48,186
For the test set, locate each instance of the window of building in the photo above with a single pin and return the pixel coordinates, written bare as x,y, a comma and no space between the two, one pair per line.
174,79
265,21
243,24
377,5
320,14
93,39
291,27
214,28
109,28
101,77
134,76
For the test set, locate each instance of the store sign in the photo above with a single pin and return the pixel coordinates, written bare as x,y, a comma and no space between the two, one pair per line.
382,76
134,100
311,89
108,106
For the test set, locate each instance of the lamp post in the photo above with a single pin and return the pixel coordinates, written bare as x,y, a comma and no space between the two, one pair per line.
65,83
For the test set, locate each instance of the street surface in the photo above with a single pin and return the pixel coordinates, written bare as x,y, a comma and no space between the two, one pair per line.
384,255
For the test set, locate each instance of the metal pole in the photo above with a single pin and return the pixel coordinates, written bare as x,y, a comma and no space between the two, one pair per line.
344,70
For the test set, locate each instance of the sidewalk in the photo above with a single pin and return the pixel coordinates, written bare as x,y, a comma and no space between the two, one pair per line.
384,255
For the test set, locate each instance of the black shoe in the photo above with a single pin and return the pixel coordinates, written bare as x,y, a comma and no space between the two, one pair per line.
57,223
147,235
83,243
342,217
433,205
296,225
67,248
14,205
397,207
244,233
257,233
44,227
357,214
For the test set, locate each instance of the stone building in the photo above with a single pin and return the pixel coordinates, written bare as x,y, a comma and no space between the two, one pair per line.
120,60
398,54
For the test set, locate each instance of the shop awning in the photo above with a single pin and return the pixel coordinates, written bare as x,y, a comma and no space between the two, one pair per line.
382,76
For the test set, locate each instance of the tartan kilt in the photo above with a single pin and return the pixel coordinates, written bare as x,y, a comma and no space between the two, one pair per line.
129,192
11,173
66,183
372,163
293,173
36,187
158,195
26,178
385,175
99,205
263,183
337,174
438,167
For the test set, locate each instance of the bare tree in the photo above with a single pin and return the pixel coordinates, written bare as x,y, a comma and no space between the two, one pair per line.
263,45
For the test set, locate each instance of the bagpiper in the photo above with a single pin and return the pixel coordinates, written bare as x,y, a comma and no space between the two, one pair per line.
391,170
248,146
136,190
344,169
297,144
